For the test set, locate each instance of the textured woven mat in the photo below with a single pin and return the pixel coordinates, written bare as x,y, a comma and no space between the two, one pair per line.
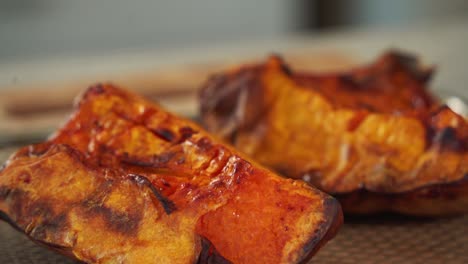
379,239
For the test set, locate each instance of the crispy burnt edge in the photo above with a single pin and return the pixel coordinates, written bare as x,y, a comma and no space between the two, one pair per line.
64,251
30,150
215,101
352,201
387,64
410,63
208,253
334,220
168,205
447,138
223,94
332,210
218,108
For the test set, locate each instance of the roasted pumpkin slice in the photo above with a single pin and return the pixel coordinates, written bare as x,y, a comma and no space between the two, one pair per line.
124,181
374,136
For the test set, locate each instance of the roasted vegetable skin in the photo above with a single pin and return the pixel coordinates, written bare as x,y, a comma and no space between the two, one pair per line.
374,136
124,181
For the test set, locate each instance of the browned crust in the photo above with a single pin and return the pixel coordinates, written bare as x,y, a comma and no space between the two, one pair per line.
242,106
431,200
125,181
331,227
65,251
209,254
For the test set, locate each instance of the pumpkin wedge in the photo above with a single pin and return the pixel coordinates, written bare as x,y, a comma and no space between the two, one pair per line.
374,137
124,181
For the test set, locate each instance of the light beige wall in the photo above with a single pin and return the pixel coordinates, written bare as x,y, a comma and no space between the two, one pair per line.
43,28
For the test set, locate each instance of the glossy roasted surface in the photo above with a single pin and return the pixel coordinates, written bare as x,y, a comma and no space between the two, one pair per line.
126,182
395,83
370,239
374,136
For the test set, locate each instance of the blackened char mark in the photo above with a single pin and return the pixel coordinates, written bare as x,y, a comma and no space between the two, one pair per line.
282,64
204,144
164,134
430,134
66,251
95,89
6,218
35,217
209,254
212,93
355,82
447,139
4,192
169,136
157,161
233,101
333,219
168,206
123,223
410,63
126,223
53,224
310,246
186,133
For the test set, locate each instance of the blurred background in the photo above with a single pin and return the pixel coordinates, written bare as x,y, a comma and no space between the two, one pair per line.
42,28
52,49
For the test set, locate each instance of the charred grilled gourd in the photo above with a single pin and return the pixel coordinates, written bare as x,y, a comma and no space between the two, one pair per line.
374,137
124,181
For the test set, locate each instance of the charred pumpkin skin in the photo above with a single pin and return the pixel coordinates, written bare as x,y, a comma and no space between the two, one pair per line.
373,137
126,182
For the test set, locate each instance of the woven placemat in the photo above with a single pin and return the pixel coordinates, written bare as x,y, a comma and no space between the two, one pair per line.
378,239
